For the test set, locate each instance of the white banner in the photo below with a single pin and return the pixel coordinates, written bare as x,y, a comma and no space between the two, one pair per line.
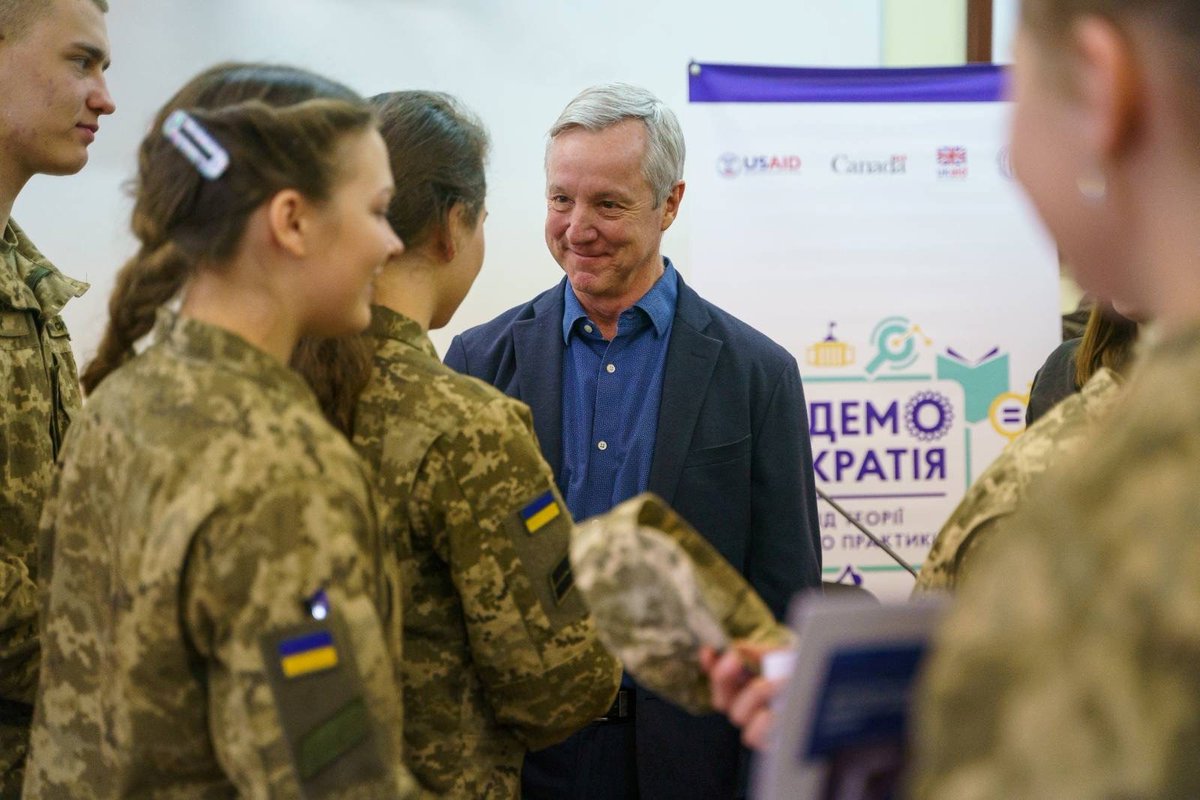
886,245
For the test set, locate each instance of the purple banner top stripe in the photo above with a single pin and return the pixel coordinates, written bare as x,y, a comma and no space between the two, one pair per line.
733,83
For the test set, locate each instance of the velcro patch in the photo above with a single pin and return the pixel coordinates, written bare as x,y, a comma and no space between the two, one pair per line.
540,532
318,692
332,738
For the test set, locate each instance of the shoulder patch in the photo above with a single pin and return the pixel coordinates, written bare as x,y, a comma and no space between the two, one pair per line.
319,698
543,510
540,530
307,653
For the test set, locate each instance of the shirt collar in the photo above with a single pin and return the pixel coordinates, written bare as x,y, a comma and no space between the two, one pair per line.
389,324
22,266
658,303
202,342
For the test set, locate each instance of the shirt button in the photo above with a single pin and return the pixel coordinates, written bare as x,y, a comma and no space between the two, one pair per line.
587,328
611,368
603,445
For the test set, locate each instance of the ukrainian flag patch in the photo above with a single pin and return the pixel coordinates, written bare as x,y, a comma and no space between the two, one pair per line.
307,654
540,512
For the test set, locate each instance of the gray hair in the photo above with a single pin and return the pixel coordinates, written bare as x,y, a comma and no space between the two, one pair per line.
600,107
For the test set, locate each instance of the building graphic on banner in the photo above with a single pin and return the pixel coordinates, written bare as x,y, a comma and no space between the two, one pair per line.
894,436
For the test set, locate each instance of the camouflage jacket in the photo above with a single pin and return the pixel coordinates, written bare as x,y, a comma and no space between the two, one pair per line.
500,654
1068,668
211,570
1003,485
39,388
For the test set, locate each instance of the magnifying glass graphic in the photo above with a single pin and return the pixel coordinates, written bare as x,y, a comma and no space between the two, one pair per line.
894,339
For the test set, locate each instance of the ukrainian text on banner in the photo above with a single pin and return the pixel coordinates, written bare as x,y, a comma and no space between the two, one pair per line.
869,222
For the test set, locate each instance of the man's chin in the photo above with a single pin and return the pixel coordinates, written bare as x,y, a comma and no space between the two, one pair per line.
67,165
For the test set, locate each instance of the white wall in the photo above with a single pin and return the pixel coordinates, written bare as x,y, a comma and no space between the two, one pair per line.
516,62
1005,14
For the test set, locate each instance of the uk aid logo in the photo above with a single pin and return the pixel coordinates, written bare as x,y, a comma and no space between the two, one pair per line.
952,163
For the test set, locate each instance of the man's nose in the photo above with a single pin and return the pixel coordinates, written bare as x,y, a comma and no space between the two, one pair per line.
580,225
100,100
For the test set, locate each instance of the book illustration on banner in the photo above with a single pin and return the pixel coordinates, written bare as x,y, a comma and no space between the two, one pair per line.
842,724
982,379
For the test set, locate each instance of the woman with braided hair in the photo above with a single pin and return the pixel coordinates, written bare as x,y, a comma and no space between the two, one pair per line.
216,603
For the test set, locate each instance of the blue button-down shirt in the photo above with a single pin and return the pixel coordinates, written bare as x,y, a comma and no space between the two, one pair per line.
610,396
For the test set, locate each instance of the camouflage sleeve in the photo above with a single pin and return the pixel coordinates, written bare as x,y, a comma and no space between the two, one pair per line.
18,631
280,603
1067,667
975,548
489,504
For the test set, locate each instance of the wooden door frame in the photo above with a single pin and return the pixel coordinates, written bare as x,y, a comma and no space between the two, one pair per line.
979,31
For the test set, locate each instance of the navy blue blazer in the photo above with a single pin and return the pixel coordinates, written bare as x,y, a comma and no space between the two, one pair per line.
732,455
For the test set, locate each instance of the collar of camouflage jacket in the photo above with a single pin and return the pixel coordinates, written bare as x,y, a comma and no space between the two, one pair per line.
389,324
28,280
202,342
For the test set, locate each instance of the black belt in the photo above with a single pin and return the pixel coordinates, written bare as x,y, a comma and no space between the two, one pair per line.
621,709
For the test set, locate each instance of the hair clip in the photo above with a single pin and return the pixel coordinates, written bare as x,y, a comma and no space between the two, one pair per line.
190,138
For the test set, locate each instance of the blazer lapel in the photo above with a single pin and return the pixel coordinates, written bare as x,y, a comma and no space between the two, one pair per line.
691,357
538,345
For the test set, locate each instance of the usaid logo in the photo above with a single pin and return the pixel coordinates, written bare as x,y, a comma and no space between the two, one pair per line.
843,164
731,165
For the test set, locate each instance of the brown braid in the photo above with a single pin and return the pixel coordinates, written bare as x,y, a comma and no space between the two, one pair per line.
280,126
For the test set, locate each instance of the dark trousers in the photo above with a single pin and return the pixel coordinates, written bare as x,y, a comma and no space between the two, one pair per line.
598,762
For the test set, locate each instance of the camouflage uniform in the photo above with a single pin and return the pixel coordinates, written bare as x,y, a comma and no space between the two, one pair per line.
39,389
1069,668
1004,484
658,591
500,655
202,508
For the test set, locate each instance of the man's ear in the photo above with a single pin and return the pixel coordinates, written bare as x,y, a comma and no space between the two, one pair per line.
1109,83
289,221
671,205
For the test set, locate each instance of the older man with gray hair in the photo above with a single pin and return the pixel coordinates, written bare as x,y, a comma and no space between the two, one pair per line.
636,383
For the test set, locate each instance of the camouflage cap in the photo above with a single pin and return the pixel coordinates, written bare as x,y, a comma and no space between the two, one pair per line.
658,591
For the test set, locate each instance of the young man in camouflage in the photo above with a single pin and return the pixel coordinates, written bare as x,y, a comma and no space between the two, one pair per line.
52,94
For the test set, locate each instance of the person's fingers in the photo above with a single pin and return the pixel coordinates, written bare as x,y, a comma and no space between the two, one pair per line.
727,677
752,653
755,697
708,658
757,732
